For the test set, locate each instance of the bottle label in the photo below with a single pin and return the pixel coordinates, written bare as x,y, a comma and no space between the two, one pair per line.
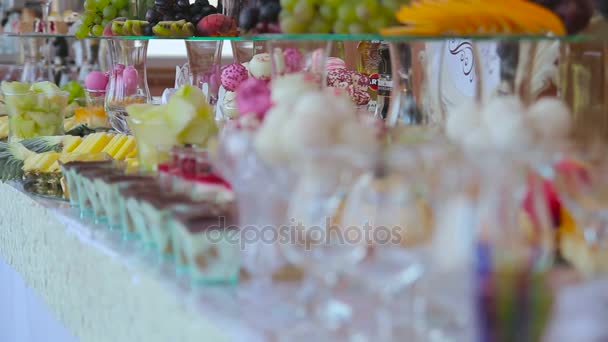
385,86
373,81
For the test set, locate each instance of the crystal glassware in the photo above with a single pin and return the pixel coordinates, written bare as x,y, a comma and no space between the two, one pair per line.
149,135
205,58
233,8
35,64
299,56
128,80
33,114
391,200
320,242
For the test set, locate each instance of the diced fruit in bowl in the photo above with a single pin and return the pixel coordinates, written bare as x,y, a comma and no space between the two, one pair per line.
34,109
186,119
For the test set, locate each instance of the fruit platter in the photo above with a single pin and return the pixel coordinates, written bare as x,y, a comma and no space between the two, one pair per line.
349,160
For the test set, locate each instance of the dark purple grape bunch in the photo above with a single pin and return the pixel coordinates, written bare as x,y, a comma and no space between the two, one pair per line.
201,9
261,16
175,10
575,14
602,7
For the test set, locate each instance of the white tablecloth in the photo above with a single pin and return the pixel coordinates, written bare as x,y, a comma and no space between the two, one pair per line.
24,317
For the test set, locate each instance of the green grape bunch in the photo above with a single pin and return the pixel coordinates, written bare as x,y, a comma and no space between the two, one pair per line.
98,13
338,16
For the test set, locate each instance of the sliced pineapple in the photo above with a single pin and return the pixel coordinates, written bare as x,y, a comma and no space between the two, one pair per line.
99,144
70,157
115,145
70,143
94,143
126,148
133,153
3,127
47,160
40,162
29,162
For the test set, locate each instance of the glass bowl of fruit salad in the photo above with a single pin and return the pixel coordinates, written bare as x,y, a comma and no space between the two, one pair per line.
34,109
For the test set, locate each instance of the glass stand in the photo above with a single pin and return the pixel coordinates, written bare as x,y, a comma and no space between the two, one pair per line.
205,60
128,80
35,62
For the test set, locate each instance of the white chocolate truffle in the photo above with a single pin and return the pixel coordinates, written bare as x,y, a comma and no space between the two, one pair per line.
505,120
288,88
463,120
550,119
260,67
268,138
310,126
478,138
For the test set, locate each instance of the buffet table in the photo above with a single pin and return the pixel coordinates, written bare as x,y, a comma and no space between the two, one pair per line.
66,280
94,291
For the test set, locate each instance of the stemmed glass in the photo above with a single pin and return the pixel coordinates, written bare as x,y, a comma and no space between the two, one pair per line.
388,201
319,241
236,160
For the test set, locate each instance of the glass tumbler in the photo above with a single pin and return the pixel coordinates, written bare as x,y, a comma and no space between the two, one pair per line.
35,114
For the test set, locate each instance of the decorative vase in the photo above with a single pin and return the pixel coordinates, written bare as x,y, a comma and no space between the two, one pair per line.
128,80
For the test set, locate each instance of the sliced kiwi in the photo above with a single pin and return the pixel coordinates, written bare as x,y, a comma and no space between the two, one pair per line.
127,29
137,27
162,28
188,30
117,27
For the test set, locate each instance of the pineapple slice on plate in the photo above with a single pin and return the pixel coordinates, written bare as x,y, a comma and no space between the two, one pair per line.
3,127
126,148
40,162
114,146
94,143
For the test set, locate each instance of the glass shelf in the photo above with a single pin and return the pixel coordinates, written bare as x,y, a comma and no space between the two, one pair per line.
265,37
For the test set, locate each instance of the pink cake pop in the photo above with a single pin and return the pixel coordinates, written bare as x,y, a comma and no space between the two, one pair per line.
253,97
334,63
233,75
96,81
294,60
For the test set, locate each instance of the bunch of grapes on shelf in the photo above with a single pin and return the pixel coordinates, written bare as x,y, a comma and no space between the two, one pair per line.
180,18
261,16
98,13
338,16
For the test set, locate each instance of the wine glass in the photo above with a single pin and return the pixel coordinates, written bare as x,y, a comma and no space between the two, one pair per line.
319,241
389,200
236,160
